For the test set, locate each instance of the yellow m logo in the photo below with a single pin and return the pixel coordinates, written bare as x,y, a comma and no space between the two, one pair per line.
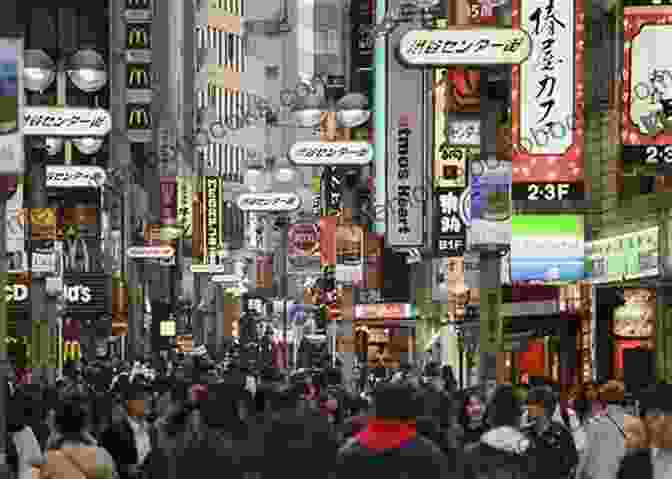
138,38
139,119
138,77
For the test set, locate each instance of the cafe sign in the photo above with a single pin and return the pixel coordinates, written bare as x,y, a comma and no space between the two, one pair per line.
322,153
384,311
629,256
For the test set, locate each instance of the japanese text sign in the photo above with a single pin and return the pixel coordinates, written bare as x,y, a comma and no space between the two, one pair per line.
52,121
465,46
547,93
322,153
629,256
451,228
65,176
269,202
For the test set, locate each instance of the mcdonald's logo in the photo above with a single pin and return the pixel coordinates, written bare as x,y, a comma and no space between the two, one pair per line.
72,351
138,76
138,4
139,119
138,37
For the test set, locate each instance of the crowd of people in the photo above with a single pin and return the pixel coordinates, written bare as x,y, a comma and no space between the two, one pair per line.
199,419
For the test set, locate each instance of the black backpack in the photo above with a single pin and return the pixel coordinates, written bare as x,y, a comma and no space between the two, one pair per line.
556,444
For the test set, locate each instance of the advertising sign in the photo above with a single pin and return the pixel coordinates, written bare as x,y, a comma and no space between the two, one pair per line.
57,121
66,176
451,230
150,252
139,126
490,203
547,94
472,269
465,46
647,86
547,247
138,85
349,253
406,149
11,106
384,311
323,153
330,192
264,272
185,205
629,256
83,293
304,244
212,219
268,202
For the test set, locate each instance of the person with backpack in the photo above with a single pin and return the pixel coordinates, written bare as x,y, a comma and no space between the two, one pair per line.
552,443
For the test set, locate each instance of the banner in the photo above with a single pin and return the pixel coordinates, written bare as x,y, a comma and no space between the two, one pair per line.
647,81
490,203
185,205
11,106
349,253
405,113
548,96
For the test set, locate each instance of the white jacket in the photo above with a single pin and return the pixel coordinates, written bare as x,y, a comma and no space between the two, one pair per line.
28,451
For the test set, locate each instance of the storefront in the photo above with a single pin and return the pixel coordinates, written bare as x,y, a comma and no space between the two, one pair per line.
625,275
385,333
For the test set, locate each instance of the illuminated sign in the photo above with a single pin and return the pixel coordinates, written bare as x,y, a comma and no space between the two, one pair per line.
451,236
150,252
65,176
482,46
138,43
464,131
349,253
139,127
138,86
548,191
322,153
269,202
646,126
212,214
53,121
547,93
185,205
384,311
629,256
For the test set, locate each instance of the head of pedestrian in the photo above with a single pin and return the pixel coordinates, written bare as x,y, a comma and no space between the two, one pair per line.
72,420
395,402
135,398
504,408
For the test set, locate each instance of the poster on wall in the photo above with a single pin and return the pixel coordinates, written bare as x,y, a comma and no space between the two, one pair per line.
547,98
405,213
11,106
547,248
647,92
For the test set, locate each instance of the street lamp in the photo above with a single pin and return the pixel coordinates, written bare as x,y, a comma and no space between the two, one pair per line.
87,70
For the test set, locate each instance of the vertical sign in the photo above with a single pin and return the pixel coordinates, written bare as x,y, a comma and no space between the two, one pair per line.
138,16
11,106
490,202
547,96
185,205
647,86
168,200
451,229
212,219
380,119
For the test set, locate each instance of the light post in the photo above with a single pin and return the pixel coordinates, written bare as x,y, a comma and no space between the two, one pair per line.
86,69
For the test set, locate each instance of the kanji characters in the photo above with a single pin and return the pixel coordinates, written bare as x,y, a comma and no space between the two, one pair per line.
449,202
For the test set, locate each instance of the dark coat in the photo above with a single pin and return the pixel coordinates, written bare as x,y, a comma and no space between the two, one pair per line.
501,453
119,440
636,465
394,454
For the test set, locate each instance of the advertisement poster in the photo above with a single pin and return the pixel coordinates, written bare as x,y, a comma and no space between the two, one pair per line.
629,256
212,219
647,88
304,246
405,211
547,95
547,248
490,207
452,220
11,106
349,253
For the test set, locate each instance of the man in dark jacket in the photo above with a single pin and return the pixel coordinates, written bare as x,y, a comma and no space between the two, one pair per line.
390,446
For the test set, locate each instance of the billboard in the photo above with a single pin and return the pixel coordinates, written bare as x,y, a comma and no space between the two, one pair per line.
547,97
647,86
11,106
490,202
406,152
547,248
624,257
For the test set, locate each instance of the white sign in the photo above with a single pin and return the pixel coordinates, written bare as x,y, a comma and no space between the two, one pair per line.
323,153
77,294
226,278
208,268
539,247
150,251
547,83
464,132
269,202
53,121
64,176
44,262
457,46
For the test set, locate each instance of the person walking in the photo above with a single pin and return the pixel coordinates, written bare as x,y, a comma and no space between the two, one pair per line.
605,444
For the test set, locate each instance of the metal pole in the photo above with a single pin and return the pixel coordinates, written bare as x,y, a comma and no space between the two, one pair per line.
284,278
4,365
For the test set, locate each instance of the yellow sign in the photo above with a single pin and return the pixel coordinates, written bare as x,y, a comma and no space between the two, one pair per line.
138,76
43,223
139,118
138,37
450,162
185,205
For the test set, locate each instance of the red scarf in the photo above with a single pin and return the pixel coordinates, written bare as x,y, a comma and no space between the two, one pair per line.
381,434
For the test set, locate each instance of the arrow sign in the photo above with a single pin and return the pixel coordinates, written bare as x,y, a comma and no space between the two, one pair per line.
150,252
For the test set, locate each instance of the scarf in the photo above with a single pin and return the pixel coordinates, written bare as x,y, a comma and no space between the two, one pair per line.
381,434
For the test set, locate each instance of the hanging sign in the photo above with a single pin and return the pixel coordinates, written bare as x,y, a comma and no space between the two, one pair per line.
54,121
269,202
324,153
629,256
466,46
65,176
451,221
185,205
